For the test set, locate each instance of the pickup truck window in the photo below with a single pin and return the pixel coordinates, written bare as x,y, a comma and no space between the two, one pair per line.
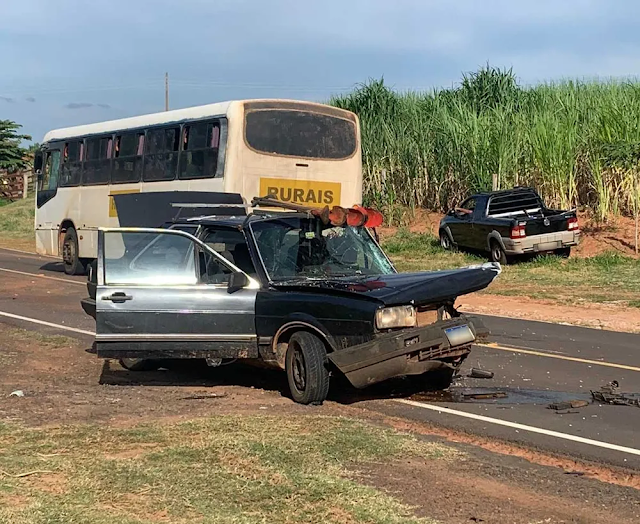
521,203
469,204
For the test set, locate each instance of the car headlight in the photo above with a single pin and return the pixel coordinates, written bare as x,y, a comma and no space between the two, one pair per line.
396,317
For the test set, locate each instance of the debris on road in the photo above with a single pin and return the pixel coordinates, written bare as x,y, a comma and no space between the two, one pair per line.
480,373
205,397
609,395
17,393
571,404
480,396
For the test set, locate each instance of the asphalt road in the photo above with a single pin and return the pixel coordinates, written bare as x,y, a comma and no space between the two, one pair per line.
534,363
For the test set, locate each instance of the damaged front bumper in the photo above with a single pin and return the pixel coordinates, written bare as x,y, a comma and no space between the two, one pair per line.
409,352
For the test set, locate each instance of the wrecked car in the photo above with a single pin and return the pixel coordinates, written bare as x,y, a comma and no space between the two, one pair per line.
284,288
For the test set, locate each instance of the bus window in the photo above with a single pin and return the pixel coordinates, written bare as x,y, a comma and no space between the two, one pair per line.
97,166
72,163
300,134
199,157
127,164
161,154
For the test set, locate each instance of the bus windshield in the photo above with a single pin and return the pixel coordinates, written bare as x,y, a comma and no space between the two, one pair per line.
303,248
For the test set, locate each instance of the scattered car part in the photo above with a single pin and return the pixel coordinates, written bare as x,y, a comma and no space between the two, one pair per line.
570,404
480,373
608,394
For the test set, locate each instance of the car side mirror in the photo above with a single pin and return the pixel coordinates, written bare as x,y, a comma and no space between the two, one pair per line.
237,281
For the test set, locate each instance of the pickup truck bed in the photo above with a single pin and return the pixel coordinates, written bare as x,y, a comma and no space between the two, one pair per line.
507,223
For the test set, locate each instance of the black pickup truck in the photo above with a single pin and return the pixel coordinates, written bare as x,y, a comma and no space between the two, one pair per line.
507,223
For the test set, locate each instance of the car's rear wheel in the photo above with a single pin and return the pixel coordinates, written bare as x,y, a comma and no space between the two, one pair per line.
497,254
139,364
306,367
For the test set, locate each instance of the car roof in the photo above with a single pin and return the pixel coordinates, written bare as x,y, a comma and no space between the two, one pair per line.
234,221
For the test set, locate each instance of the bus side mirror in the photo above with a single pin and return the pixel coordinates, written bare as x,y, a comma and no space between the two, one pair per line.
37,163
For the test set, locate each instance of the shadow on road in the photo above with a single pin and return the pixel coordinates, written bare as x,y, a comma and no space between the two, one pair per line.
196,373
56,267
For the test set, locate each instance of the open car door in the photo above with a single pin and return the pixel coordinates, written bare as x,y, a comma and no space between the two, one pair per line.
164,294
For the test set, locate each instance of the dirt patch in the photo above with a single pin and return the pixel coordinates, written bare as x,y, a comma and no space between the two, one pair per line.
471,491
618,477
54,483
612,317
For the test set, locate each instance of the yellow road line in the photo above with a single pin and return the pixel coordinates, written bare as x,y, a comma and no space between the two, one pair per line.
561,357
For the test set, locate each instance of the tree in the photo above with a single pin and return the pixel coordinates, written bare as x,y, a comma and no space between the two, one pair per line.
12,155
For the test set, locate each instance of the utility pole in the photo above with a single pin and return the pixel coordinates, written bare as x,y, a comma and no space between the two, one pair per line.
166,91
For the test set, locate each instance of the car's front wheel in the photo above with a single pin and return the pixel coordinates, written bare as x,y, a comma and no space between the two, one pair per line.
139,364
306,367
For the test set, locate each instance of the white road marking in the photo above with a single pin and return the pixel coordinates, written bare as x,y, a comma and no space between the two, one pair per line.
48,324
35,255
523,427
561,357
68,281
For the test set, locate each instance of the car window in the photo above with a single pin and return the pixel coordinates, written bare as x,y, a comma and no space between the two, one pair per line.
141,258
212,270
232,245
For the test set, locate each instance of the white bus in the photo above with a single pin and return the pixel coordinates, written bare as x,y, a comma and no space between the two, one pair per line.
296,151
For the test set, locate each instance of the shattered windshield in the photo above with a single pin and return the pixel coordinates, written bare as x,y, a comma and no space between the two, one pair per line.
298,247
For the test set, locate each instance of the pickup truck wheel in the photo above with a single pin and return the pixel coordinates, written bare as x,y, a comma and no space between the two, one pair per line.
445,240
306,367
139,364
497,254
564,252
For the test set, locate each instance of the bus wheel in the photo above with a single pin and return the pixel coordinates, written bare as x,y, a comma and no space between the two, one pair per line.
73,265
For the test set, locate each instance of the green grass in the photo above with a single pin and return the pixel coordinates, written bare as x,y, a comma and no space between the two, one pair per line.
16,224
286,469
608,278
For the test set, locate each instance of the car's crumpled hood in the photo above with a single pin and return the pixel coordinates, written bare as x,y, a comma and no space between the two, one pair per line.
426,287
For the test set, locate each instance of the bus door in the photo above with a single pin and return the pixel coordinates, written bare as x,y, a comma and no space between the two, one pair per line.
47,187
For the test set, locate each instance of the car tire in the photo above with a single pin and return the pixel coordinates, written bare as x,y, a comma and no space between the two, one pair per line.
73,264
139,364
445,240
439,379
564,252
496,253
307,370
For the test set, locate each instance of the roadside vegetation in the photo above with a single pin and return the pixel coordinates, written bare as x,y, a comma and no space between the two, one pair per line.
607,278
16,224
577,143
248,469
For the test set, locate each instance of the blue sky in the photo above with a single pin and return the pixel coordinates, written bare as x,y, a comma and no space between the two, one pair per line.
68,62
